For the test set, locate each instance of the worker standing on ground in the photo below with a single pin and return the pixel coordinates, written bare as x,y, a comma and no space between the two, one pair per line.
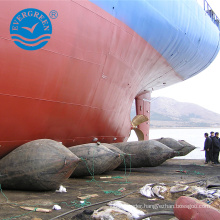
207,147
212,135
216,148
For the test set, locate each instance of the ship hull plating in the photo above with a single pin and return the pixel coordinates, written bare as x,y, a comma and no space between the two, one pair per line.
80,86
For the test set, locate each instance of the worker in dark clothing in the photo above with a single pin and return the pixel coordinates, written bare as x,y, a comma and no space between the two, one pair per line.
207,147
216,148
212,135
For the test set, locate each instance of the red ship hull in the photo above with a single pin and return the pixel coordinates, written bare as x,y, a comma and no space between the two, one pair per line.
79,86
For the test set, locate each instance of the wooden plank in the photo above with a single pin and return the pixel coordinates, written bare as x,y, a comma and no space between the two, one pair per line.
87,196
36,209
105,177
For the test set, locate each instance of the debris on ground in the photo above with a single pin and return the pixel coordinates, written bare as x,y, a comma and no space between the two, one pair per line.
160,191
178,188
61,189
36,209
87,196
106,212
56,207
129,185
117,210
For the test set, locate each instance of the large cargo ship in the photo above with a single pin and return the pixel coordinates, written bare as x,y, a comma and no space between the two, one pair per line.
70,69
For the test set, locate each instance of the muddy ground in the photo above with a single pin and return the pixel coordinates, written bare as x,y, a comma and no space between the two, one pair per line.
108,186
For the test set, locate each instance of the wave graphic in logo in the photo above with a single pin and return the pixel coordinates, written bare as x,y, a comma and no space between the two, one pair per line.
30,29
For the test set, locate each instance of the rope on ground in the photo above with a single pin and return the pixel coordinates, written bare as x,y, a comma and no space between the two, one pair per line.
15,204
18,216
91,171
76,203
98,203
3,194
189,172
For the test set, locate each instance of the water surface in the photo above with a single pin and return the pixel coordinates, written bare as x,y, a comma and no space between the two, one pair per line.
194,136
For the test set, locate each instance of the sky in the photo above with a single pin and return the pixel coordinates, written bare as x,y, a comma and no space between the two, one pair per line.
202,89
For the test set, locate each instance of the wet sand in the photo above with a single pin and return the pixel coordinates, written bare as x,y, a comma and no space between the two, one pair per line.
108,186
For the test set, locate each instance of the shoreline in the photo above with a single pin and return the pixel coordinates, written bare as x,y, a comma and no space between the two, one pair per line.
184,128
